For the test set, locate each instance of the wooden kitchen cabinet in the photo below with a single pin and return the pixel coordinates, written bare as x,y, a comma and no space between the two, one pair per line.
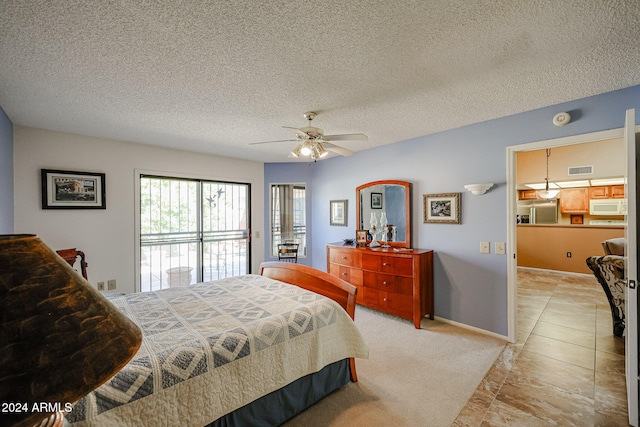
600,192
574,200
617,191
527,194
398,282
607,192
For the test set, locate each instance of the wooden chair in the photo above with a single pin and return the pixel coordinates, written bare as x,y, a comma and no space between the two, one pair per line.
71,256
288,252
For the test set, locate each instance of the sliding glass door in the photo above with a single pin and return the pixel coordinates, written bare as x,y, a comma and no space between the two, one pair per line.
192,231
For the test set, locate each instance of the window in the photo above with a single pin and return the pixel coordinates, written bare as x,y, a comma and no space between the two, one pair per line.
192,231
288,216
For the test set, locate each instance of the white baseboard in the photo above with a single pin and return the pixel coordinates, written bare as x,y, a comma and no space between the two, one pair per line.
472,328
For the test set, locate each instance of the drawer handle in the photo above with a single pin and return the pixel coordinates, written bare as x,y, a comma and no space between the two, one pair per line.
384,283
344,257
344,274
385,299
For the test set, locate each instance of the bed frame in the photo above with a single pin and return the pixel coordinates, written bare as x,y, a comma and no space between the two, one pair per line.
319,282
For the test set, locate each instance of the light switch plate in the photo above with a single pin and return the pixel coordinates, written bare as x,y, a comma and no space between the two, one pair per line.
484,247
500,248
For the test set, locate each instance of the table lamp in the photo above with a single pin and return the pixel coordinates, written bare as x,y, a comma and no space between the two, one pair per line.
59,337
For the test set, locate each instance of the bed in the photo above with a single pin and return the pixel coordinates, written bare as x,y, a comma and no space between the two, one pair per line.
247,350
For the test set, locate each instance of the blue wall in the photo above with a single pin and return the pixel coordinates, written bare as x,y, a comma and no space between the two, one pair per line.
470,288
6,174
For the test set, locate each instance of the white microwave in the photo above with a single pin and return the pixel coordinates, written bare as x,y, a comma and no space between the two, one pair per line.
608,207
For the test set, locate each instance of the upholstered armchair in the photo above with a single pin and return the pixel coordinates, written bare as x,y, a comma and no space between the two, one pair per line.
609,270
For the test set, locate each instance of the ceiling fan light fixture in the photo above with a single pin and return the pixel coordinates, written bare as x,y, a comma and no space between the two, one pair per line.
305,148
296,151
319,150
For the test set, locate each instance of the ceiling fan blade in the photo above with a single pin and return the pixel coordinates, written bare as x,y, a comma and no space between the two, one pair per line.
269,142
346,137
336,149
297,131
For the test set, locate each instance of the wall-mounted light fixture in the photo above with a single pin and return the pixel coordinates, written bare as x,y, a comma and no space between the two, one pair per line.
479,189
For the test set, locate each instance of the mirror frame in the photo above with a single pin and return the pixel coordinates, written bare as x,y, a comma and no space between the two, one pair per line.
407,208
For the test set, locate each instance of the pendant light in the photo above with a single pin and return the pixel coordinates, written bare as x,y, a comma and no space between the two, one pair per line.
546,193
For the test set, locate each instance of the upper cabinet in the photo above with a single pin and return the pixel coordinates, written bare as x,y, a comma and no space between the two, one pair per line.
527,194
607,192
617,191
574,200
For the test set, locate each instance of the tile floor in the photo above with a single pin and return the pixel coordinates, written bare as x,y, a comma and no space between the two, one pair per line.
566,368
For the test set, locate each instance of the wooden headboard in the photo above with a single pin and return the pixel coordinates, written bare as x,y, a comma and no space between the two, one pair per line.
314,280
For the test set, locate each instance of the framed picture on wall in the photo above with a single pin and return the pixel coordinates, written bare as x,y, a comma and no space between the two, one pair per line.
72,190
442,208
338,212
376,200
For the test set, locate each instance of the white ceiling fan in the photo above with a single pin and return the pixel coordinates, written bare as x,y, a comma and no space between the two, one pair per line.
314,143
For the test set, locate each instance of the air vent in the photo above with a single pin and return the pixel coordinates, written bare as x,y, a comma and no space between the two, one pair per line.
580,170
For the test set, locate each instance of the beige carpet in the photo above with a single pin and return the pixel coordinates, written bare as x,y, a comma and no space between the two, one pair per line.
412,377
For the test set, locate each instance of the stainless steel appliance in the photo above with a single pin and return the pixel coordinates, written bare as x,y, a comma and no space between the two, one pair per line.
538,211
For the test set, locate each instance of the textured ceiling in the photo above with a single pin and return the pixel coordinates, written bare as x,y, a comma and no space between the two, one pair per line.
213,76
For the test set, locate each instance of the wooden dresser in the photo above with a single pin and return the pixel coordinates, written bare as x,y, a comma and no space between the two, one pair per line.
394,281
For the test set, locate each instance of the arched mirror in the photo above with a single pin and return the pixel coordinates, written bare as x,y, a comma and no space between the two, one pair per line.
390,200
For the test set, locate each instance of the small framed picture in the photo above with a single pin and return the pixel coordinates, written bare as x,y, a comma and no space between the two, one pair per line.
376,200
338,212
442,208
361,238
577,219
72,190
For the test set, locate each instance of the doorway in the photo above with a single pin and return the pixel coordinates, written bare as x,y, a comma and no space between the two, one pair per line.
512,206
628,133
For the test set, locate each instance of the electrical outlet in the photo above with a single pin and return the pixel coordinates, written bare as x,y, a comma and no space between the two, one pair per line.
111,284
484,247
501,248
568,254
101,286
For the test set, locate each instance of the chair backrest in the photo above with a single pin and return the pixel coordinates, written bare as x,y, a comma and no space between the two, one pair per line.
288,252
614,246
71,256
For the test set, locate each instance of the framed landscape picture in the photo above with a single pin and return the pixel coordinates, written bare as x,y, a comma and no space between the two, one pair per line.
442,208
72,190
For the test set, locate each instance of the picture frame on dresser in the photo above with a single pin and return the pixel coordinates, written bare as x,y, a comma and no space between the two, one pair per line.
63,189
361,238
442,208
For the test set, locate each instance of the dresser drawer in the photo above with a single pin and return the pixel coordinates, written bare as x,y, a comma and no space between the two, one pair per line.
388,301
348,274
347,257
388,264
388,282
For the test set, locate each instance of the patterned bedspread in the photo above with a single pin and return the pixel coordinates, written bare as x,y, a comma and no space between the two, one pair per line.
213,347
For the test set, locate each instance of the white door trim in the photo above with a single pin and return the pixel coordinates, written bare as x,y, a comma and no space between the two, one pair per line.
631,271
512,263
